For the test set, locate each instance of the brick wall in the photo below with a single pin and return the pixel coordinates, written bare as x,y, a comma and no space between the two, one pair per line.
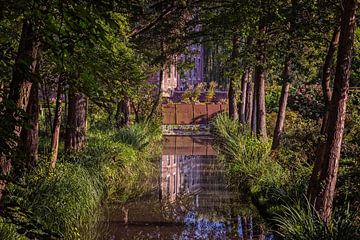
185,114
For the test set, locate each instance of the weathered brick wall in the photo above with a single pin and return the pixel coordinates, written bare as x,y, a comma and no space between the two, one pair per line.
185,114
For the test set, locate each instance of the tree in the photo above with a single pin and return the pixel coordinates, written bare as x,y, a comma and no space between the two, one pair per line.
76,121
323,194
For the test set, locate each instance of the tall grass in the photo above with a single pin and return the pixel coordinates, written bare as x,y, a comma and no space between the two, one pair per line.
301,222
8,231
246,157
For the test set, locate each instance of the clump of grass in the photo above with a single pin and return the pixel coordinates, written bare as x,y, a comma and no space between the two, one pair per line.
139,135
8,231
65,199
246,157
302,222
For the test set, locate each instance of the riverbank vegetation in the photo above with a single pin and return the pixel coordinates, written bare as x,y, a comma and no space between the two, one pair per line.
116,166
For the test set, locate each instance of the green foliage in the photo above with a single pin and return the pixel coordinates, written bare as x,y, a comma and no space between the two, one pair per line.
307,101
302,222
197,92
211,91
8,231
111,168
139,135
272,97
64,199
187,95
247,158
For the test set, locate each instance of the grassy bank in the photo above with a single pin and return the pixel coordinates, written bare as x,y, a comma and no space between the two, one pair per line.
117,165
275,182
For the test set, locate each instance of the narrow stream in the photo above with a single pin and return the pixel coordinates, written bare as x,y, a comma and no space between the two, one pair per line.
191,201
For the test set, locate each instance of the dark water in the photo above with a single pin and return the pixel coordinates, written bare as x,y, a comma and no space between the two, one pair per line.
191,201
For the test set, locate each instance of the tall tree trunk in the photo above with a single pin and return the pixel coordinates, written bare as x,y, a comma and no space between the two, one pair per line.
76,122
326,78
244,81
157,101
326,181
326,89
56,125
249,101
260,98
279,127
30,136
233,110
233,113
20,86
48,115
123,113
2,94
254,112
260,76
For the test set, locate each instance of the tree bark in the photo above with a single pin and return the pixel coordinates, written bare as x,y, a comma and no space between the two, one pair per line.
260,98
233,110
279,127
76,122
249,102
56,125
158,96
260,76
20,86
254,112
30,137
123,113
244,80
326,77
326,181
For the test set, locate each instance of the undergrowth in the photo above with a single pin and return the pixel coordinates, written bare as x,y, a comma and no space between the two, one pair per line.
117,165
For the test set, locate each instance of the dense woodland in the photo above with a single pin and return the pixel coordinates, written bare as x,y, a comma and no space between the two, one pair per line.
80,123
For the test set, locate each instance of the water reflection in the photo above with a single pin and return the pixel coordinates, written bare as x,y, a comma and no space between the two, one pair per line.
192,201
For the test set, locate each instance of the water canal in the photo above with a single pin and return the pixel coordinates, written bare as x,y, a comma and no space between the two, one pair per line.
191,200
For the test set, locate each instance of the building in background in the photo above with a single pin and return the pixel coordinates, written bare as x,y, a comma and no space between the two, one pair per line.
176,79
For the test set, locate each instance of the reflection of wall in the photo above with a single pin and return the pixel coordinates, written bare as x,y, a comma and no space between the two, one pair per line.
199,175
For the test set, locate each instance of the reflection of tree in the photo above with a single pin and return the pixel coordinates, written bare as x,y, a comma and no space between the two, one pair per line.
176,210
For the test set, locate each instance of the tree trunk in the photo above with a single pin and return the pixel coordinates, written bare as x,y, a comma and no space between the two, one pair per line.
30,137
326,181
254,112
123,113
158,96
2,94
56,125
326,78
279,127
249,102
20,86
76,122
260,98
244,85
233,110
326,89
233,113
